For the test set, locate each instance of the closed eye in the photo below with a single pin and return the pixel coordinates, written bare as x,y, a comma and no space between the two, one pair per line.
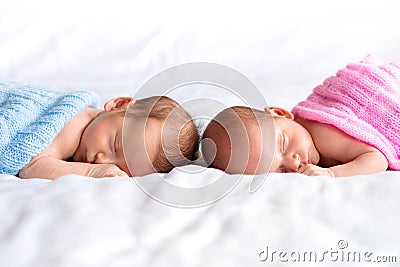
114,145
284,143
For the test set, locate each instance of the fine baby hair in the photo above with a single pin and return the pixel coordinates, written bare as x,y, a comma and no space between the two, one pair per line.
178,138
231,141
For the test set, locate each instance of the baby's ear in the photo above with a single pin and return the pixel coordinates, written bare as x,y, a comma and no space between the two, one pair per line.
118,103
279,112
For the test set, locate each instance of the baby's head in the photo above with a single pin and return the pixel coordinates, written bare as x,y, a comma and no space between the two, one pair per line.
233,141
141,136
250,141
171,137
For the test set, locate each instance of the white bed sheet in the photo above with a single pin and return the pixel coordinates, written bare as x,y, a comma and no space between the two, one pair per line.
285,47
81,221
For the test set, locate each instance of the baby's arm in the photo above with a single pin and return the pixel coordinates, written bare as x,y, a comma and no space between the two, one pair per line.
334,145
52,162
366,163
49,167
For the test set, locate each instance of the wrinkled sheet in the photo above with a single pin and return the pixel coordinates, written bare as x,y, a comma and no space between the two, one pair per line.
81,221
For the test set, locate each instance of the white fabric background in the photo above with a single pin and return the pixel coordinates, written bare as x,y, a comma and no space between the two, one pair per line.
112,47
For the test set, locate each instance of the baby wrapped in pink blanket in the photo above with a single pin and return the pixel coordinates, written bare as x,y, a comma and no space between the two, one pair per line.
363,101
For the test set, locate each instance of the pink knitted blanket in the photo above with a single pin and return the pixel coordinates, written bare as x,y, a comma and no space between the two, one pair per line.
363,101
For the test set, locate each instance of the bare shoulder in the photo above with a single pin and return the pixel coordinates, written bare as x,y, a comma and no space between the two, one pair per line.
334,145
67,140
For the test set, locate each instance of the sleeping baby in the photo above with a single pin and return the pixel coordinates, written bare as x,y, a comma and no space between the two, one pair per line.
349,125
48,133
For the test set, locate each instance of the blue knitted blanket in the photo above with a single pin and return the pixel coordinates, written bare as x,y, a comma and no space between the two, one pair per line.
31,117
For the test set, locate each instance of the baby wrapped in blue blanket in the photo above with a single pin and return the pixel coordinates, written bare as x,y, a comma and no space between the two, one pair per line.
48,133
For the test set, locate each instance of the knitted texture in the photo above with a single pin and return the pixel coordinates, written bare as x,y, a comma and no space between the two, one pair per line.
31,117
363,101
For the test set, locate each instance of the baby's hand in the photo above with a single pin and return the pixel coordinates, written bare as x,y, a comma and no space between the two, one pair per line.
106,170
313,170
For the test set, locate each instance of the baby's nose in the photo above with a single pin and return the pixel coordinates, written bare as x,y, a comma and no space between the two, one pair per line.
294,162
101,158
